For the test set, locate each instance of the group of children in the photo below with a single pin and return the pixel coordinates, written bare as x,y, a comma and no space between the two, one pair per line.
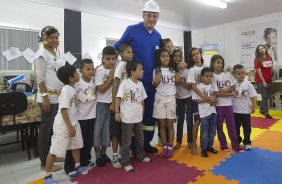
106,110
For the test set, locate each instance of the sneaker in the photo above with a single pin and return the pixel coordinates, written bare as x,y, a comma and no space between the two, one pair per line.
49,180
106,158
268,116
240,149
115,161
225,149
100,162
151,150
81,170
129,168
169,152
248,147
212,150
164,152
204,153
177,146
261,112
91,165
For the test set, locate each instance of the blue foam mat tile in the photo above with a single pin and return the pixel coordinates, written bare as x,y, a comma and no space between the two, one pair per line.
257,166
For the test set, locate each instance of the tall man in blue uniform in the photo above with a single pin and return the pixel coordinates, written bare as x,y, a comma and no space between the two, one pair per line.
145,39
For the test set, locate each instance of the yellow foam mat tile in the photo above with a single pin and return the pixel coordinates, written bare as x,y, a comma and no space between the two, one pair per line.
270,140
277,126
210,178
184,156
277,114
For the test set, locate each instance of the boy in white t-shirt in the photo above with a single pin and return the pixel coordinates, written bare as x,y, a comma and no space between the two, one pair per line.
104,77
207,112
126,53
244,92
129,109
66,129
86,95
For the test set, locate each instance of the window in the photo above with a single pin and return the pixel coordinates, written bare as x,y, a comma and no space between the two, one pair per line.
20,38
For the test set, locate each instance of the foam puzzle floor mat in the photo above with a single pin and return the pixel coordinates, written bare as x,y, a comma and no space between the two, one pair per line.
262,165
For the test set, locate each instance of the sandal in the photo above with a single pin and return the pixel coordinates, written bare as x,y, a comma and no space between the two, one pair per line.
129,168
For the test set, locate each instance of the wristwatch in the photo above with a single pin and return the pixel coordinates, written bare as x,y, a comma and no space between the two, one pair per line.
44,94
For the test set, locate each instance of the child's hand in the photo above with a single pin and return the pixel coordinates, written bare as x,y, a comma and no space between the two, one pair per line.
112,73
71,131
213,101
233,93
112,107
177,78
253,109
264,84
117,117
157,79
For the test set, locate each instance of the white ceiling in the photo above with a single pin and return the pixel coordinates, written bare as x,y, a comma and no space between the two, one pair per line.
180,14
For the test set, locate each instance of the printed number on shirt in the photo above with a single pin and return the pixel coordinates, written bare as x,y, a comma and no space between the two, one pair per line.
223,84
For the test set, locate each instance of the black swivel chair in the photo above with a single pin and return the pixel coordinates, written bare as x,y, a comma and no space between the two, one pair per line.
12,104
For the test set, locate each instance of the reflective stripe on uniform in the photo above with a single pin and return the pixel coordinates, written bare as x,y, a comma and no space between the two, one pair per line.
148,128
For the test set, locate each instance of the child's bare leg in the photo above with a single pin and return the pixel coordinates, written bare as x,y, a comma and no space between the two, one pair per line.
49,163
163,131
195,135
115,141
76,157
170,128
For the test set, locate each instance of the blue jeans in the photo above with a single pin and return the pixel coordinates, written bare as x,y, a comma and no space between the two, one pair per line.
208,131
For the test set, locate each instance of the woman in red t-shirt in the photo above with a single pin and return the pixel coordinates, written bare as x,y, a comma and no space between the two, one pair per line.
263,77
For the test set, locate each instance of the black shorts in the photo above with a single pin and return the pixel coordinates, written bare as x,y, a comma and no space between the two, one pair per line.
115,127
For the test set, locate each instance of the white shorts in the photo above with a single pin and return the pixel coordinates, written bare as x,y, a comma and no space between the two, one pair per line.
164,107
61,141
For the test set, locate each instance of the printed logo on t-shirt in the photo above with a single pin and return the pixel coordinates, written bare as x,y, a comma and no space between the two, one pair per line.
209,93
198,79
133,96
168,79
267,64
89,92
240,93
223,84
105,77
73,101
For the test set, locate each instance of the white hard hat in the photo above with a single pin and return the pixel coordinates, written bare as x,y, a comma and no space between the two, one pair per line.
151,6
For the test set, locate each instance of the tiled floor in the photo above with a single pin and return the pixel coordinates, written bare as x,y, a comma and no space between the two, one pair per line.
15,167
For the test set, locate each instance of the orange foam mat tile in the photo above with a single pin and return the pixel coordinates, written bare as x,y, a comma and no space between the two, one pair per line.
38,181
270,140
210,178
277,126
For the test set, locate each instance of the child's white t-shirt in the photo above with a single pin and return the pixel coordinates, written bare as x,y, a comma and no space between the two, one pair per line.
194,74
224,81
120,71
132,96
86,95
241,102
182,92
167,83
205,109
101,75
68,100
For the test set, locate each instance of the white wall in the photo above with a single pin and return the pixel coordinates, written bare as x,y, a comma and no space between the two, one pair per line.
35,16
96,28
226,36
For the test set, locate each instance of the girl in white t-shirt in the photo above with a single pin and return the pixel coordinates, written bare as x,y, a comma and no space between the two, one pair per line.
196,64
225,83
184,103
164,79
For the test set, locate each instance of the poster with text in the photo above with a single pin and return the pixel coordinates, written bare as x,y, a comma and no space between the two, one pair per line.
253,35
